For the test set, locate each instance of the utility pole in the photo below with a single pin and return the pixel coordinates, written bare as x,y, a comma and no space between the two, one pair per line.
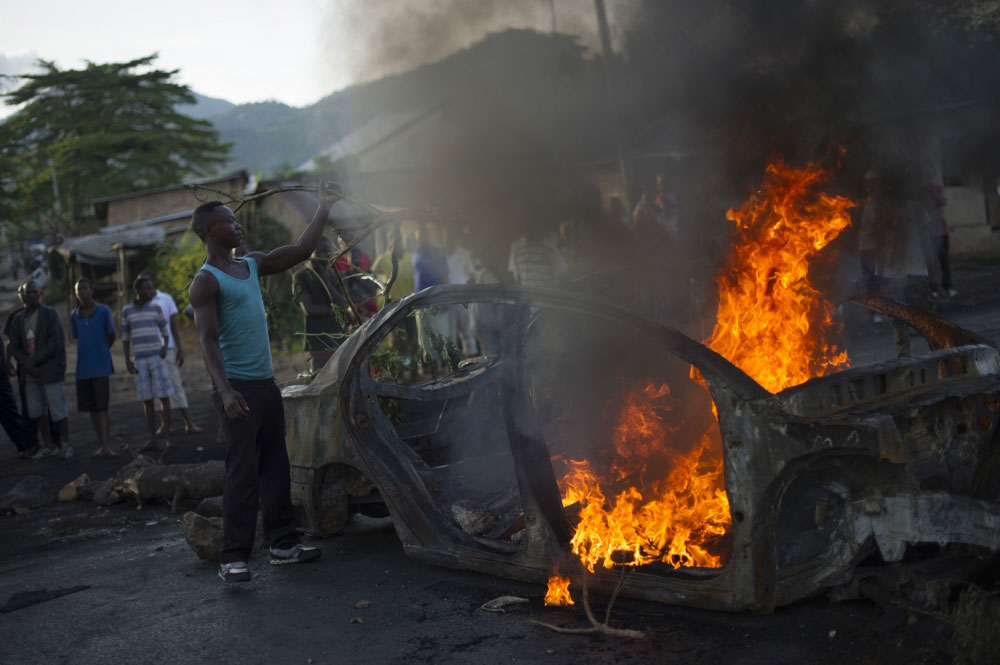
55,187
605,32
60,221
552,6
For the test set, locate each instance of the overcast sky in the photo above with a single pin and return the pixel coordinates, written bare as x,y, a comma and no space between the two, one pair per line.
294,51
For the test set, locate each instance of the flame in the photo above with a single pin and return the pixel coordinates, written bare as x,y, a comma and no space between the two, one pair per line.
675,520
558,591
772,323
652,503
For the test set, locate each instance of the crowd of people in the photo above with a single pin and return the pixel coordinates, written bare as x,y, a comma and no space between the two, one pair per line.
35,353
903,248
545,254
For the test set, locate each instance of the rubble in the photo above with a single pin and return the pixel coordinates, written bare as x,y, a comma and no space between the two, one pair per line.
142,479
203,530
29,493
472,517
69,490
203,535
502,603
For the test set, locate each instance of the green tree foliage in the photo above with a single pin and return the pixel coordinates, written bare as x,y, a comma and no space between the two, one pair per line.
175,266
102,130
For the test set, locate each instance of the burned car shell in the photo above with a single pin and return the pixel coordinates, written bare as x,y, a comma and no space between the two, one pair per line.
819,476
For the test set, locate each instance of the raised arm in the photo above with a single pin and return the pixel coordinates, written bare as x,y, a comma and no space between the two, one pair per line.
283,258
203,294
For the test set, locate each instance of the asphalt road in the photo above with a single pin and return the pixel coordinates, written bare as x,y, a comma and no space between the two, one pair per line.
150,600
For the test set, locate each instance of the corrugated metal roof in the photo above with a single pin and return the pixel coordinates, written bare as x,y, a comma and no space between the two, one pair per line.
96,248
148,222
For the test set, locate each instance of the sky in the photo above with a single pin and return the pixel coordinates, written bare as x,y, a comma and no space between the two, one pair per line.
293,51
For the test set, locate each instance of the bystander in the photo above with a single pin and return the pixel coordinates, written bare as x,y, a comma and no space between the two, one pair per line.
38,344
173,361
93,328
144,338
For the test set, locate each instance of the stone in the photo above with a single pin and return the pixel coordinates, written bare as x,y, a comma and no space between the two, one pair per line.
85,492
204,535
29,493
70,489
105,493
210,507
472,517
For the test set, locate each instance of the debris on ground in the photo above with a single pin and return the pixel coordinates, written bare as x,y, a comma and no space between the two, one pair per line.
24,599
69,490
29,493
502,603
472,517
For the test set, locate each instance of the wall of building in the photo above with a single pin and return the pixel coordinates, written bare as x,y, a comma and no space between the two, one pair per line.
970,233
157,204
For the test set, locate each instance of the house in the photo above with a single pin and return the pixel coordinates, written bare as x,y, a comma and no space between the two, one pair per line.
134,225
169,206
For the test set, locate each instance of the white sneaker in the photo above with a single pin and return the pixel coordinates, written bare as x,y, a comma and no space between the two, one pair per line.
42,452
236,571
66,452
952,293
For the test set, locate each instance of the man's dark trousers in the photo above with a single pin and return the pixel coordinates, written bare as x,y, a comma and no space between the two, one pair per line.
10,417
257,472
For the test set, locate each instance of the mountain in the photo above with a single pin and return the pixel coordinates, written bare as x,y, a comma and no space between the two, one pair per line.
205,107
537,85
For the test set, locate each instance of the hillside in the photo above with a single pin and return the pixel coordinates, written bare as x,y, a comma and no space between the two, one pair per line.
538,85
205,107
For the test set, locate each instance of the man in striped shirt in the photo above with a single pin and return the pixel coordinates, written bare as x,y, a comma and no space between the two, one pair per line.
144,337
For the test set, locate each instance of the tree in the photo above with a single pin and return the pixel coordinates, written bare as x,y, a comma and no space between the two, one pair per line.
98,131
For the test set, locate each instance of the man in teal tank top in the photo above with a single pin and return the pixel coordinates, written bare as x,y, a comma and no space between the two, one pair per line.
232,324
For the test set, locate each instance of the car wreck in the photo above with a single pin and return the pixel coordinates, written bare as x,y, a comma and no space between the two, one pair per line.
826,482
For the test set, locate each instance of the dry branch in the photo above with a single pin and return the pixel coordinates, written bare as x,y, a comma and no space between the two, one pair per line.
142,479
595,625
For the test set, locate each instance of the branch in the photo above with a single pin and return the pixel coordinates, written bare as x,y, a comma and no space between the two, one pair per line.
226,195
614,595
394,273
347,295
595,626
603,627
243,200
322,282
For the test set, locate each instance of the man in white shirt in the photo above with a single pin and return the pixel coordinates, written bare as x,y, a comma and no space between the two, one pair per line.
173,361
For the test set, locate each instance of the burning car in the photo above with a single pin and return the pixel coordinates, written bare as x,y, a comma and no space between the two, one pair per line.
593,441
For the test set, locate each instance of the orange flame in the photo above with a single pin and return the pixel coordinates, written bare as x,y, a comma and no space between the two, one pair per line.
558,591
674,521
772,323
775,326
